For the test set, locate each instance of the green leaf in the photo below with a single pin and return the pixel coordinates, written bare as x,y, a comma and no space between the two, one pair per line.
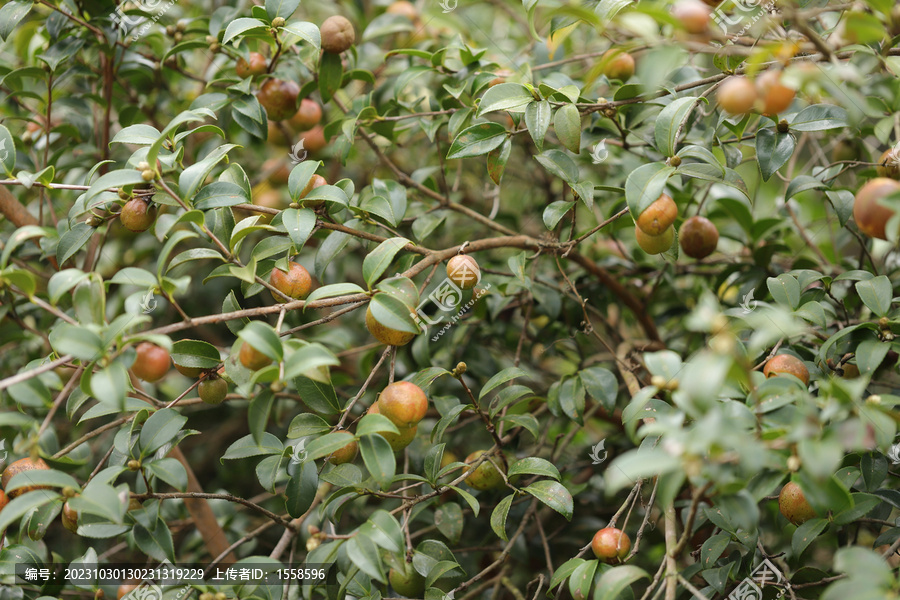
601,385
785,290
876,294
379,459
333,290
537,120
299,224
477,140
169,470
328,444
644,185
113,179
110,385
379,259
668,122
614,581
392,312
331,74
505,96
281,8
773,149
193,177
581,579
820,117
806,533
500,378
72,241
306,424
241,26
317,395
534,466
870,354
375,423
567,124
564,571
307,32
159,429
21,505
10,15
448,518
246,447
559,163
496,161
554,495
140,135
7,144
49,478
195,354
498,517
301,489
80,342
219,194
308,360
262,337
801,184
364,554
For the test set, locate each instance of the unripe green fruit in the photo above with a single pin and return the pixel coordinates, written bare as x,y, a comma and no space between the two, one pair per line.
134,465
407,582
213,390
485,476
655,244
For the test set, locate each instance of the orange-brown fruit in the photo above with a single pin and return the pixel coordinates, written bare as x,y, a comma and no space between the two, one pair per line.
616,64
314,182
693,15
404,403
870,216
776,97
405,8
655,244
611,544
659,216
279,98
70,518
337,34
463,270
314,139
4,499
296,282
793,504
384,334
151,363
485,476
786,364
137,215
397,441
190,372
252,358
213,390
22,465
345,454
698,237
277,170
737,96
125,589
308,115
256,65
889,164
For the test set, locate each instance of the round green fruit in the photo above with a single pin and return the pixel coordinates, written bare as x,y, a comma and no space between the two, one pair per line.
484,477
213,390
655,244
407,582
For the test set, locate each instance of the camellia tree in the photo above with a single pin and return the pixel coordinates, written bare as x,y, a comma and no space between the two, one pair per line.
449,299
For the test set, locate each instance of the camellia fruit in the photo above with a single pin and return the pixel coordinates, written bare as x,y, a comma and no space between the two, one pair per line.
792,503
407,582
279,98
693,15
345,454
776,97
786,364
252,358
659,216
316,181
397,441
698,237
22,465
463,270
308,115
295,283
152,362
125,589
213,390
256,65
4,499
314,139
737,96
616,64
137,215
337,34
404,403
870,216
889,164
485,476
70,518
405,8
384,334
655,244
611,545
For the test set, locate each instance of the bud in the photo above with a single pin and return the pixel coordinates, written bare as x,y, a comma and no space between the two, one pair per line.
170,31
461,368
181,25
211,39
884,322
147,175
793,463
143,165
214,47
276,386
278,22
124,195
782,126
206,596
675,161
658,381
221,596
873,399
178,37
68,491
134,465
99,594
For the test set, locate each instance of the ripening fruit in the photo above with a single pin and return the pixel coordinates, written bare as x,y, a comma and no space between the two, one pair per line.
889,164
190,372
4,499
279,98
152,362
775,96
693,14
407,582
384,334
463,270
314,182
659,216
698,237
137,215
70,518
405,8
21,466
846,150
611,545
125,589
485,476
345,454
252,358
308,115
256,65
397,441
736,96
787,364
314,139
404,403
401,288
296,282
448,458
655,244
616,64
213,390
337,34
870,216
793,504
